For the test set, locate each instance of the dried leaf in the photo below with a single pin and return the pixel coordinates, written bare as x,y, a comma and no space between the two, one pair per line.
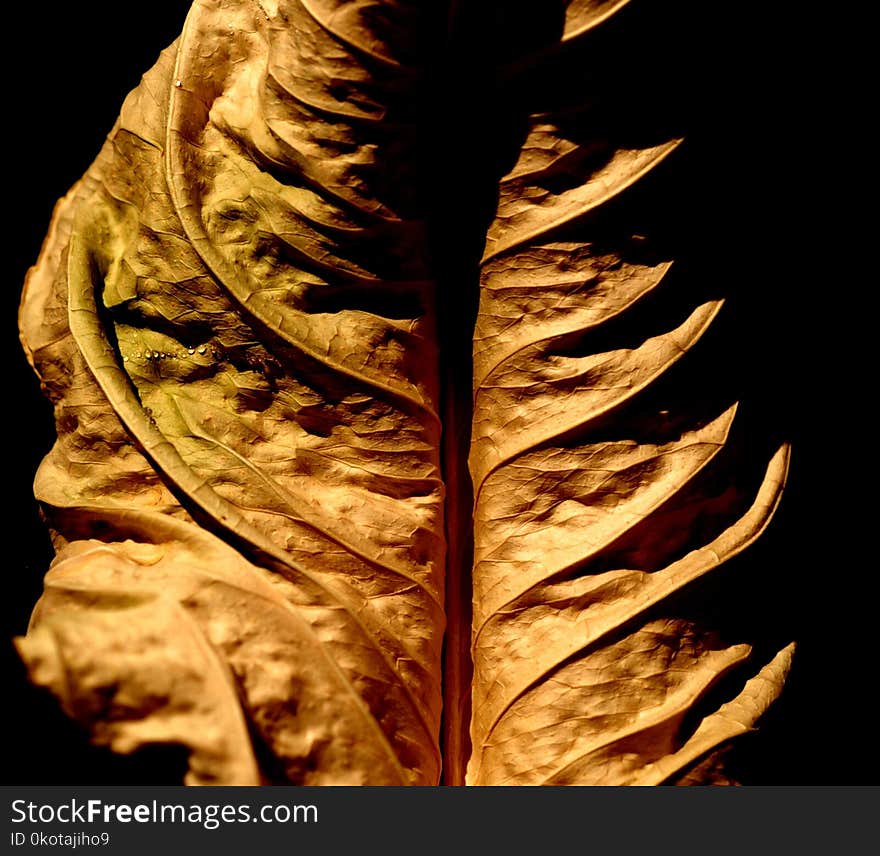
211,371
235,315
592,509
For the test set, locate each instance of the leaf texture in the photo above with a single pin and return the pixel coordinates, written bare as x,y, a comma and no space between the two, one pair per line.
594,509
236,315
210,316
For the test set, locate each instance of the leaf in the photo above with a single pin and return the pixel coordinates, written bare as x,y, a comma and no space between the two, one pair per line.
196,391
237,316
124,665
581,16
180,614
593,508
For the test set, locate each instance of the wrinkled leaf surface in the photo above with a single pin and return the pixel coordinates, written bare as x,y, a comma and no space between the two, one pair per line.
235,317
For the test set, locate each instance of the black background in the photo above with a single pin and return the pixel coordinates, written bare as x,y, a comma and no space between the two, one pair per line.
760,171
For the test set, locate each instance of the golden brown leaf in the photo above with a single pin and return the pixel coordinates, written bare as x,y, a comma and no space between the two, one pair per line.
235,315
593,508
204,366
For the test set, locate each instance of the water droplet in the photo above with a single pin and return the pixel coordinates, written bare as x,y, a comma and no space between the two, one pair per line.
192,350
203,350
125,359
155,355
178,83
